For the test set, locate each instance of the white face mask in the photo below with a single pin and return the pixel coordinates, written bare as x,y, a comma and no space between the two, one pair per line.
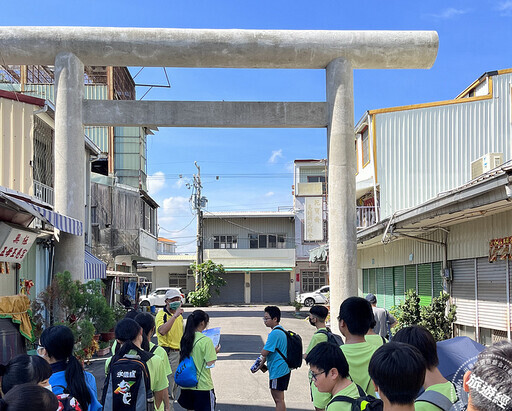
48,387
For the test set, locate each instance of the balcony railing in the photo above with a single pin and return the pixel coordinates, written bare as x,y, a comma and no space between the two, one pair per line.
43,192
365,216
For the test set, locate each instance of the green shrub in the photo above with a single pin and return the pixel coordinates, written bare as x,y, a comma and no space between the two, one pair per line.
209,280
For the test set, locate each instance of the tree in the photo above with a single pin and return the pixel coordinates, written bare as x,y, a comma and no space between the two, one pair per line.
438,317
209,273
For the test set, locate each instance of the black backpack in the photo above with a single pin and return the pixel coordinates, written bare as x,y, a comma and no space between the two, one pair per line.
128,384
363,402
441,401
293,350
332,338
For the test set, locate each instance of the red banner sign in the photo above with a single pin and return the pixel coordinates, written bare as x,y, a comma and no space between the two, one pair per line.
500,248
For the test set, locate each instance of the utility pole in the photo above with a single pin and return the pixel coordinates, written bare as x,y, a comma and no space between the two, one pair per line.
198,203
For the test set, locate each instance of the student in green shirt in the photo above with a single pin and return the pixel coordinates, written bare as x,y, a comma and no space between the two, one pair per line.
397,371
200,347
372,337
422,339
329,371
130,335
317,316
354,319
147,322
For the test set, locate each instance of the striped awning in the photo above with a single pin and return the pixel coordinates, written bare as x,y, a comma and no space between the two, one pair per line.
62,222
94,267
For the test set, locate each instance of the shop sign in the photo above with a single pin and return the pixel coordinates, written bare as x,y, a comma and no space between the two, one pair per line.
14,242
500,248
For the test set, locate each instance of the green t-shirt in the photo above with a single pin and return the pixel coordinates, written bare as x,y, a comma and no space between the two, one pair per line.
202,353
446,388
157,374
349,391
358,356
160,352
320,399
374,339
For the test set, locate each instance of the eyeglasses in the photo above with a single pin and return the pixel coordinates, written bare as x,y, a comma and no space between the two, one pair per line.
266,318
313,376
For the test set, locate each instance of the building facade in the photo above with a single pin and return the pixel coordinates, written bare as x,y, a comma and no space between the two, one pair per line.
439,178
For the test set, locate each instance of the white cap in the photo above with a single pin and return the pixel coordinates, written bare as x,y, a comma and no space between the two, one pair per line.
171,293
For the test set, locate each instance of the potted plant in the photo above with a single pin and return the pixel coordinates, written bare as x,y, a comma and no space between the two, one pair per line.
104,348
297,305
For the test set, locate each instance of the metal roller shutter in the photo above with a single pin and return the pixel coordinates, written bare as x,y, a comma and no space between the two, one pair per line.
232,292
389,297
399,277
425,283
372,281
463,291
437,278
270,287
381,292
410,277
492,294
365,281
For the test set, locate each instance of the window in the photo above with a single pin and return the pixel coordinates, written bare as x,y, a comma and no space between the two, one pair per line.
177,280
225,241
267,241
312,280
365,142
148,218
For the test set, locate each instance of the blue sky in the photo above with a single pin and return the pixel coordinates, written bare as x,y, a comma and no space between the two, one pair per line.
254,165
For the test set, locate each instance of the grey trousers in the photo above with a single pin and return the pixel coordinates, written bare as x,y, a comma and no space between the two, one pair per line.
174,360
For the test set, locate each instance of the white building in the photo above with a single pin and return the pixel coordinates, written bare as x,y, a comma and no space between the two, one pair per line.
429,171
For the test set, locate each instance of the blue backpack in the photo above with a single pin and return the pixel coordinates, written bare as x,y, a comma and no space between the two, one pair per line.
186,373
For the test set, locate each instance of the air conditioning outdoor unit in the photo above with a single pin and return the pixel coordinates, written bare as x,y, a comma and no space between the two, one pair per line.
485,163
323,268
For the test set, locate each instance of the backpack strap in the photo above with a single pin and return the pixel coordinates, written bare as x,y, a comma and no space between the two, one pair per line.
436,398
279,351
152,351
344,398
383,340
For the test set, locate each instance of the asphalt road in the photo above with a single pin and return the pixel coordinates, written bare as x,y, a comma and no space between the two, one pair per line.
243,335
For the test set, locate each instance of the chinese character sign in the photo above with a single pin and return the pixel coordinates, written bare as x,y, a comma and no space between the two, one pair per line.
14,242
313,219
500,248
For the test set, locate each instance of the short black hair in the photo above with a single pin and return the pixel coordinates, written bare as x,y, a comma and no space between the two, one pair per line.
398,369
274,312
326,356
423,340
494,368
357,314
24,369
319,311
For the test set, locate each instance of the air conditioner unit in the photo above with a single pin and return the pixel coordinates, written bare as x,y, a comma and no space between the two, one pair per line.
485,163
190,272
323,268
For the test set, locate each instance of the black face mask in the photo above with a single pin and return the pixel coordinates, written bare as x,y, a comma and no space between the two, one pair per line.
311,321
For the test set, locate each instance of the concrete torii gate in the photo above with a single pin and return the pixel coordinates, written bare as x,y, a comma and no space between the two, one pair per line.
338,52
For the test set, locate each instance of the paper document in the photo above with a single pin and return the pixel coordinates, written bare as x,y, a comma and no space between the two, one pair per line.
213,334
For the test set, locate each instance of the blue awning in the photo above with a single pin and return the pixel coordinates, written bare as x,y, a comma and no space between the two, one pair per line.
94,267
62,222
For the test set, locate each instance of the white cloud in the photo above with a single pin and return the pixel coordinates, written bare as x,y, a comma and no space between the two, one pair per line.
275,155
156,182
269,194
505,8
180,183
449,13
177,222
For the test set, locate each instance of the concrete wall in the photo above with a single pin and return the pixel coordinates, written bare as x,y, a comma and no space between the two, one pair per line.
260,258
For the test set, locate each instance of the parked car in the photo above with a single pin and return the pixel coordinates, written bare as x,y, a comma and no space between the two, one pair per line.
314,297
157,297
